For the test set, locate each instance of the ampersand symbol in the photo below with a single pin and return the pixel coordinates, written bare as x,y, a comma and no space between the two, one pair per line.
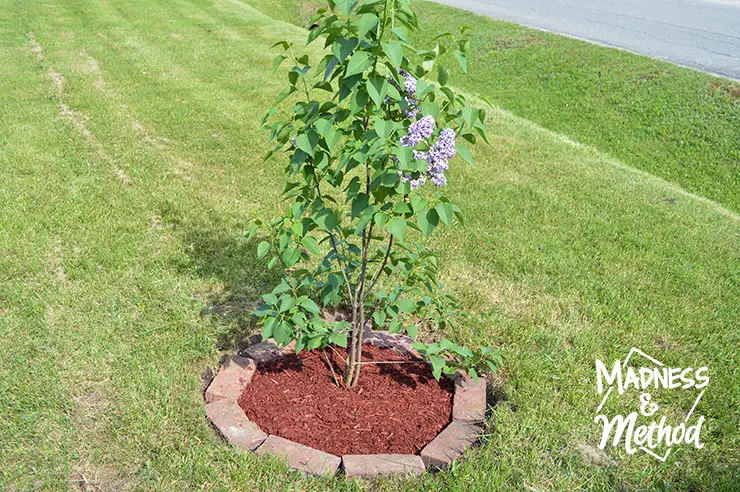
647,408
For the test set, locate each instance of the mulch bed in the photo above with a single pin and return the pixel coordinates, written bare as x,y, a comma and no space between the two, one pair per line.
395,408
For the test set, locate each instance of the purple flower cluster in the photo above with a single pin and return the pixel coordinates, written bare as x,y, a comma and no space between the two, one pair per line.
418,130
409,85
438,159
439,154
409,88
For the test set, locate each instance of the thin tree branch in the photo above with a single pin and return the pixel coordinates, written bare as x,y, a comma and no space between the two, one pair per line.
382,266
331,368
334,245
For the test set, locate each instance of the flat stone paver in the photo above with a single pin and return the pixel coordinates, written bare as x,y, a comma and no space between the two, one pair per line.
234,425
450,444
373,465
469,402
231,379
264,352
300,457
382,339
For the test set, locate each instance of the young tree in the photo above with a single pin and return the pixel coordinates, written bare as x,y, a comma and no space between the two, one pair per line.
369,140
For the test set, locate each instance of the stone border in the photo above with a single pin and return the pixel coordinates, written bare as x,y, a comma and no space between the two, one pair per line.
223,411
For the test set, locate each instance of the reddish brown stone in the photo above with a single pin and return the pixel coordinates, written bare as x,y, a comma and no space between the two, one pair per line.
450,444
231,379
300,457
266,351
373,465
469,404
234,425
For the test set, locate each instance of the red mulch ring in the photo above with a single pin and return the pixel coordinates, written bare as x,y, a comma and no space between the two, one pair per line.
395,408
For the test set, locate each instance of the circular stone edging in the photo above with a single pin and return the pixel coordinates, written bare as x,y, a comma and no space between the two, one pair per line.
223,411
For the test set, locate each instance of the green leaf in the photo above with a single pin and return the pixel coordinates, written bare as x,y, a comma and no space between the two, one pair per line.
382,127
281,288
401,33
346,6
406,306
359,204
401,208
418,204
324,127
262,249
397,227
405,157
311,244
342,48
428,221
445,212
412,330
377,89
394,52
465,154
438,363
366,24
381,218
422,89
339,339
359,62
268,327
469,115
462,59
333,139
291,256
379,317
389,178
446,344
443,75
326,219
310,306
284,44
277,61
307,142
286,303
359,100
286,92
283,333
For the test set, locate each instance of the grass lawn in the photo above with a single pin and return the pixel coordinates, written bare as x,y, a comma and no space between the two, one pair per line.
130,165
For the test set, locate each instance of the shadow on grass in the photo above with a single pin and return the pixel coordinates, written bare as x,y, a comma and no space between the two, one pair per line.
229,261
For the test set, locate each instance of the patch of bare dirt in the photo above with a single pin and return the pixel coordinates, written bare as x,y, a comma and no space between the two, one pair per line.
36,49
730,88
595,455
663,343
57,80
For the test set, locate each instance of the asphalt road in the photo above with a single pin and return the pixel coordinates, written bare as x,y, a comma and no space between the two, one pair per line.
702,34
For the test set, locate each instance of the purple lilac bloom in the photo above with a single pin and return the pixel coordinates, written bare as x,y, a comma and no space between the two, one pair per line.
438,160
439,180
409,84
418,131
409,87
414,183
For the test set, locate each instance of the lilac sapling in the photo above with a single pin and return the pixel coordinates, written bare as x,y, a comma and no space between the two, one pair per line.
366,130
